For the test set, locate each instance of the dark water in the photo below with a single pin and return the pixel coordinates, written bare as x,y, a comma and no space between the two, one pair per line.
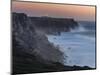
78,45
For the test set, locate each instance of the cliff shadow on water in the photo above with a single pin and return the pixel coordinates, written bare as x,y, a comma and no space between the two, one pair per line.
31,50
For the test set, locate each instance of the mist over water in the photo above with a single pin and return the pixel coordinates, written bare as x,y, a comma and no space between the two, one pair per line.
80,28
85,31
78,45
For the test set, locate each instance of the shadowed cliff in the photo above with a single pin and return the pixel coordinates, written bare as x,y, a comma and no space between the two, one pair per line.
52,25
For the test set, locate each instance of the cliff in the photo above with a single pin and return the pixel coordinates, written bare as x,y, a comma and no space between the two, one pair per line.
28,42
32,51
52,25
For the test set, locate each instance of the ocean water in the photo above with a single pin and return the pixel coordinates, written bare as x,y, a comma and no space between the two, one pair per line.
78,45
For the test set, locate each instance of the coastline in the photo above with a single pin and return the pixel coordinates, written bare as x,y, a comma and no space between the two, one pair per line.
32,52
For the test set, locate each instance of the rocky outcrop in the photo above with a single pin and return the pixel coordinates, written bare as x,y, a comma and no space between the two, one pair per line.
32,51
27,42
32,42
52,25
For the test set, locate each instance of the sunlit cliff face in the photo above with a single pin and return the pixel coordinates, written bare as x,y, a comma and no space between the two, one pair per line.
85,13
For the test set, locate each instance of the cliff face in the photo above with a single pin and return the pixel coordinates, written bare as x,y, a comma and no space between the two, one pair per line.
23,32
32,42
28,44
50,25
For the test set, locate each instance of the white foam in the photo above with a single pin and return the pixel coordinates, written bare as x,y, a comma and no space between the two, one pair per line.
80,28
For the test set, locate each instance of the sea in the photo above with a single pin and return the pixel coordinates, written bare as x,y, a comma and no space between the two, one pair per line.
78,45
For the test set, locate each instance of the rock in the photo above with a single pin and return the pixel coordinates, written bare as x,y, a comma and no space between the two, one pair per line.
54,25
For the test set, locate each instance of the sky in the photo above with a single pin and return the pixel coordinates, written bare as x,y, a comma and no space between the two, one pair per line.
78,12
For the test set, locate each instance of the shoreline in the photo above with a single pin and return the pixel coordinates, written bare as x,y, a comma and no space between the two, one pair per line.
76,54
32,52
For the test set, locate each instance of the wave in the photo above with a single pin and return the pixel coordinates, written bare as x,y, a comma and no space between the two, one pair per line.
84,27
80,28
85,31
